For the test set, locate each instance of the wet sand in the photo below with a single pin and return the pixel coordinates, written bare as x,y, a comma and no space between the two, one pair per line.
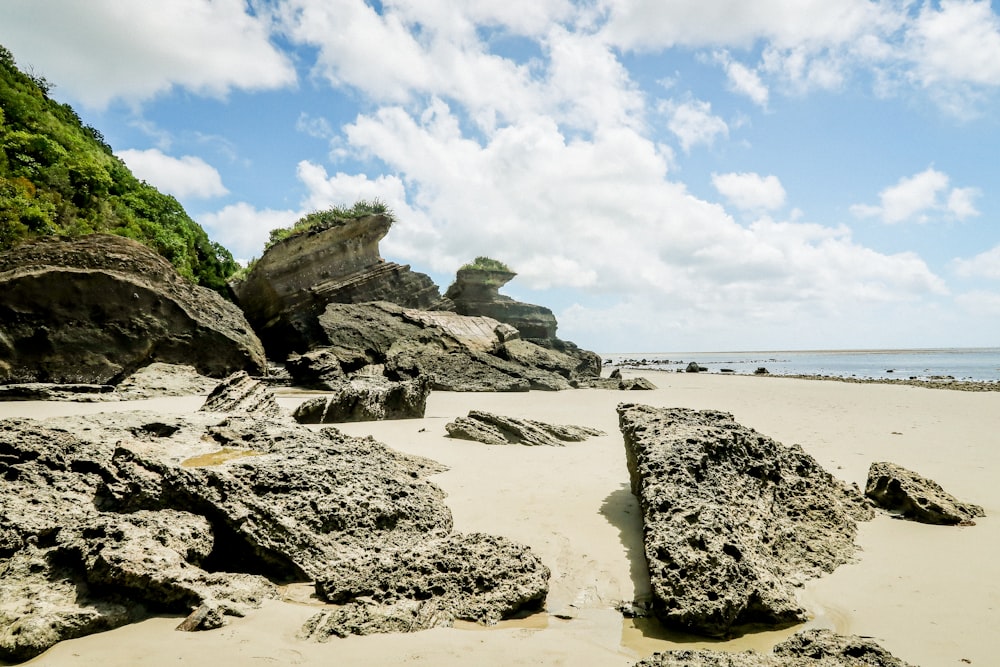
929,594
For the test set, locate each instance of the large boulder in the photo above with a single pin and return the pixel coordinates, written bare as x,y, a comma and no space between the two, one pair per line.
734,521
109,518
335,261
915,497
456,352
812,648
96,308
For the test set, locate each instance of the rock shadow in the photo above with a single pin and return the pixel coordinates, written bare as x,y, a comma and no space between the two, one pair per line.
621,509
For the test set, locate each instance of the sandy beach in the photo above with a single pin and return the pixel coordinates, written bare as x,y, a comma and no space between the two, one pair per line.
929,594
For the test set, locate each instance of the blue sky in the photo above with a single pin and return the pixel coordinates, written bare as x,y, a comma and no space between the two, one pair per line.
666,176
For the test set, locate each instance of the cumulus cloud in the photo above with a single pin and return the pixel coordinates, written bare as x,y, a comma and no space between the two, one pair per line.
693,123
136,50
744,80
959,42
921,198
184,177
984,265
750,191
244,229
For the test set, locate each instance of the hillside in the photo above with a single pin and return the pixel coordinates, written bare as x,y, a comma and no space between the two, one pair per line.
59,177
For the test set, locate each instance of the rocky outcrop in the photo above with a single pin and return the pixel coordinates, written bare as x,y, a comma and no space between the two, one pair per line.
96,308
911,496
734,521
812,648
455,352
473,577
108,519
241,393
159,379
494,429
333,262
367,399
476,292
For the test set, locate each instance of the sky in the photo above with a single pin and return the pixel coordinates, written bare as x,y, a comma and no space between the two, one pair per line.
665,175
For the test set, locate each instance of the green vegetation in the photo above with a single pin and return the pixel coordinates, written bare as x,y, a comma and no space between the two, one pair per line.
486,264
58,177
359,209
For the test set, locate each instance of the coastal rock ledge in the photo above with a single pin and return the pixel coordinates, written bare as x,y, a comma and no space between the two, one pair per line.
733,520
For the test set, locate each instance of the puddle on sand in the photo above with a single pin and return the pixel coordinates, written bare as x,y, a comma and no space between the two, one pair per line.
536,621
218,458
646,636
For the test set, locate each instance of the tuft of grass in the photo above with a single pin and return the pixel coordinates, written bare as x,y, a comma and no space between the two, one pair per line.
485,264
360,209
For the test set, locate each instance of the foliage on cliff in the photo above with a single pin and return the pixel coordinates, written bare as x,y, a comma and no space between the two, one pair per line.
485,264
360,209
59,177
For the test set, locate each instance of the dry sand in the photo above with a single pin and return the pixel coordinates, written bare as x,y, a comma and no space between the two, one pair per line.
929,594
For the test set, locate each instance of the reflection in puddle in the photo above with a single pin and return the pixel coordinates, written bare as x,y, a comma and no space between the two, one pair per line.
646,636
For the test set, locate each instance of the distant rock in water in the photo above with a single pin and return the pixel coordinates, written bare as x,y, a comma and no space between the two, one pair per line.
94,309
917,498
733,521
812,648
494,429
336,261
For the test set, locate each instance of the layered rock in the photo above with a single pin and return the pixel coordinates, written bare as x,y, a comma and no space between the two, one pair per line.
494,429
336,261
96,308
812,648
476,291
241,393
107,519
734,521
915,497
455,352
470,577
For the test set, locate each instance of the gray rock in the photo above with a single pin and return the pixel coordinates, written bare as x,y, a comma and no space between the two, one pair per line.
494,429
160,379
367,399
109,518
476,292
471,577
734,521
636,384
912,496
240,393
617,382
368,618
94,309
812,648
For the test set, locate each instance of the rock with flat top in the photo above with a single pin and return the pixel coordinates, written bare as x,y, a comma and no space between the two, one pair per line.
733,521
914,497
241,393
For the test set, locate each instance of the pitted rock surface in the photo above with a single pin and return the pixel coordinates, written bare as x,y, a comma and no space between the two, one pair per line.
111,517
367,399
915,497
734,520
241,393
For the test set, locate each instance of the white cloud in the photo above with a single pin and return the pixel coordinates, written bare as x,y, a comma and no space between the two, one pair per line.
103,50
984,265
956,43
744,80
184,177
920,198
750,191
693,123
244,229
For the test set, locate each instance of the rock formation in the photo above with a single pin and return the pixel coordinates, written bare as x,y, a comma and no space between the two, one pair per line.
241,393
476,292
494,429
912,496
734,521
812,648
96,308
367,399
336,261
474,577
456,353
109,518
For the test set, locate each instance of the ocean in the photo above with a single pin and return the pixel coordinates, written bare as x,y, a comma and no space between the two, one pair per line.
970,364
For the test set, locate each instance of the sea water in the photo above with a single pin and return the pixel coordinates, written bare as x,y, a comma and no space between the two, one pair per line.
972,364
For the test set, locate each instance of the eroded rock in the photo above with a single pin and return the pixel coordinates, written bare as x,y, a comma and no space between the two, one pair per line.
494,429
912,496
734,521
241,393
812,648
367,399
96,308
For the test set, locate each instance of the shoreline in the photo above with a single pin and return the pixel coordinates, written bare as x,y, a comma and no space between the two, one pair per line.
928,594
